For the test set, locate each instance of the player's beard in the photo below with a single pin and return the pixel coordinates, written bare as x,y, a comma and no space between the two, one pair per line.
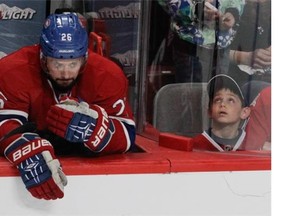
62,88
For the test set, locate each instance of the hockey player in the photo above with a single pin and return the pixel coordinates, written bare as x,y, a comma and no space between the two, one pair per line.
76,98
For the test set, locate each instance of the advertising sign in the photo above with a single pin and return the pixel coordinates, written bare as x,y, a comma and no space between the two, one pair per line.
20,24
122,25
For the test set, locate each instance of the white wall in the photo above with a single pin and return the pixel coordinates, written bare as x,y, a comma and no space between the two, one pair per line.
199,193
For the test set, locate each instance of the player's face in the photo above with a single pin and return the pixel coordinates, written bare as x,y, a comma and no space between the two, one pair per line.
64,71
226,107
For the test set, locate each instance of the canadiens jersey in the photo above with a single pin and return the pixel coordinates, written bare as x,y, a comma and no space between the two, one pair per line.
258,128
255,132
209,142
26,95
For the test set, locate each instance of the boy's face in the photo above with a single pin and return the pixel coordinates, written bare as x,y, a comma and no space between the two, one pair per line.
226,108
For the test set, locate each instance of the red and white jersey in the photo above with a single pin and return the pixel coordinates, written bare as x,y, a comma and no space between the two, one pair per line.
25,93
258,129
205,142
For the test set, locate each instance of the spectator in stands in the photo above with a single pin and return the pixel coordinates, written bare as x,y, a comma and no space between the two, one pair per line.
228,111
202,32
250,53
258,129
235,123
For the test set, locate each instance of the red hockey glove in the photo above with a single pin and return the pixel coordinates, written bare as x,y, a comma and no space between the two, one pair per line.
79,122
40,171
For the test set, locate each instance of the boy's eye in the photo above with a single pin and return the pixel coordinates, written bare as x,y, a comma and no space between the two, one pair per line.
231,100
217,100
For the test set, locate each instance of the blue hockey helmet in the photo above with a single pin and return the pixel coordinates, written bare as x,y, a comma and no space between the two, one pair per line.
64,37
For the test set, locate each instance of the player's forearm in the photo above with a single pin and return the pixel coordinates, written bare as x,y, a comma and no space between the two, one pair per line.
122,139
6,126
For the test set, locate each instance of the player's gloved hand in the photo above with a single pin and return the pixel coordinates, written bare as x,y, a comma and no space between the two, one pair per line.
40,171
80,122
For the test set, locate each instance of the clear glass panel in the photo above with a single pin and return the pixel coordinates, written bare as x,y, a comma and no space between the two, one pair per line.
158,57
183,47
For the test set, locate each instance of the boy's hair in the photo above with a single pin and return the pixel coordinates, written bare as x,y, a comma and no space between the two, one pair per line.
223,81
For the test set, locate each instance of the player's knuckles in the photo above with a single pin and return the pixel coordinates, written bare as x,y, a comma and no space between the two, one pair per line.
56,112
65,113
58,120
52,116
50,120
57,129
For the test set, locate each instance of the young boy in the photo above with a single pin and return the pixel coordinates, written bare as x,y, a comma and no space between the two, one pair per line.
228,111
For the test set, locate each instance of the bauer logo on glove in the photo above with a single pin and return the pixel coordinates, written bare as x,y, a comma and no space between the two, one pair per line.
40,171
80,122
